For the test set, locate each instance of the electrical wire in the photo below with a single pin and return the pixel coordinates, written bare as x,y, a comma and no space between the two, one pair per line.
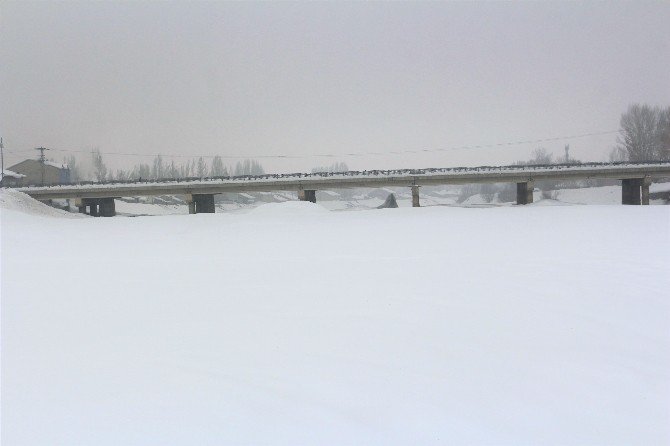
340,155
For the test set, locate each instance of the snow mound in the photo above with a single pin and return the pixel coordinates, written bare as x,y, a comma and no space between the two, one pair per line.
290,208
13,200
476,199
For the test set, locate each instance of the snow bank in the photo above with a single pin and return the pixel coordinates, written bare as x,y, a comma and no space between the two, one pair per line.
13,200
291,325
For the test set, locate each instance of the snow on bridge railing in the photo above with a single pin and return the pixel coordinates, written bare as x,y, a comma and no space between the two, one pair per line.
352,174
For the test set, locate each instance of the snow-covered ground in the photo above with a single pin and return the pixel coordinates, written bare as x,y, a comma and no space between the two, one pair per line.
290,324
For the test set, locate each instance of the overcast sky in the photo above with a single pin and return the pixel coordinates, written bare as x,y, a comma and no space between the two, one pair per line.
251,79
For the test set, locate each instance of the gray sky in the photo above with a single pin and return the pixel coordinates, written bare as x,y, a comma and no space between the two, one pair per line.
245,79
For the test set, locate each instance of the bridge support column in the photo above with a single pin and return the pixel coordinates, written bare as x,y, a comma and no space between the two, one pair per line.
107,207
524,192
203,203
415,197
98,207
190,202
644,193
307,195
630,191
79,203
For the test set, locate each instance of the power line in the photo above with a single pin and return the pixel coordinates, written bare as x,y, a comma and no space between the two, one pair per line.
340,155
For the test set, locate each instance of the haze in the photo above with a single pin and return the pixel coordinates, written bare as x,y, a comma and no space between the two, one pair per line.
305,79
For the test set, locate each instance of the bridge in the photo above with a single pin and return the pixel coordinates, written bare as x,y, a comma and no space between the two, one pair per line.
97,199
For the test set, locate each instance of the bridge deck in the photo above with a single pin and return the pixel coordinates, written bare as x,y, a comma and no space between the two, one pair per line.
373,178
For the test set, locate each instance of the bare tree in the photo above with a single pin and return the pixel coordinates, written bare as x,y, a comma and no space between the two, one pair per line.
143,171
618,154
99,167
75,174
642,132
172,171
541,156
218,169
664,133
122,175
248,167
202,168
158,169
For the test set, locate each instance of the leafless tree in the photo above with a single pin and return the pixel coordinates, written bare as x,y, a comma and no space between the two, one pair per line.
75,174
664,133
541,156
158,168
202,168
218,169
643,131
99,167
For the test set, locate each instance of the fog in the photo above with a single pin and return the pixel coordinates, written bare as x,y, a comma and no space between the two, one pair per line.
299,85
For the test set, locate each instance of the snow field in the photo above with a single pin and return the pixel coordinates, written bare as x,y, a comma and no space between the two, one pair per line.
290,324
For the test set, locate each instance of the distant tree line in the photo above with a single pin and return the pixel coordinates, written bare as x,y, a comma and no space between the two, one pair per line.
159,168
335,167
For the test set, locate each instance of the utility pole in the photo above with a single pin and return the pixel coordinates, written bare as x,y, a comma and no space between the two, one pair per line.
42,160
2,160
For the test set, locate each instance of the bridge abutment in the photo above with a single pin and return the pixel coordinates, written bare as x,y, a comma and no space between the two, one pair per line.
307,195
524,192
415,197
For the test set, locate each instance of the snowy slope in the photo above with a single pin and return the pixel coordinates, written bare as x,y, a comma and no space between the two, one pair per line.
292,325
14,200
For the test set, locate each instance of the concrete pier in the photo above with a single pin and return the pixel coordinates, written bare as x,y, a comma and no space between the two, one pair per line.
630,191
107,207
644,190
97,207
79,203
203,203
635,191
415,197
307,195
524,192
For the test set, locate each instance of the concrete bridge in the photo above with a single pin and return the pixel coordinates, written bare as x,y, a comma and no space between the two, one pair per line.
98,198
